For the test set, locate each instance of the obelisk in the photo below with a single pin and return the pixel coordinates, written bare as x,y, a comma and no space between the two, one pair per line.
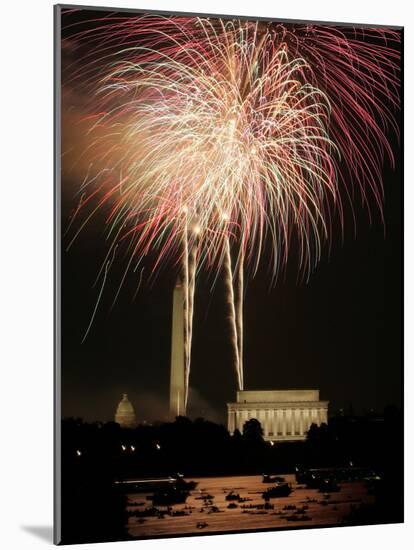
177,380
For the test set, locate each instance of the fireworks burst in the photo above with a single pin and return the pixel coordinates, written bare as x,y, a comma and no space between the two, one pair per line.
222,136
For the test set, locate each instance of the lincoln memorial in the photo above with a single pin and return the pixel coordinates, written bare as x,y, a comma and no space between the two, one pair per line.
285,415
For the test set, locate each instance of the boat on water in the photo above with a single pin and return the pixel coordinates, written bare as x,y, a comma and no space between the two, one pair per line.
279,490
148,485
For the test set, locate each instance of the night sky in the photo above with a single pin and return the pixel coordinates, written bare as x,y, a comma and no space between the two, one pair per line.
340,332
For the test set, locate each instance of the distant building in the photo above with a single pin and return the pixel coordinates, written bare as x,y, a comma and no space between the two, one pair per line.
125,415
285,415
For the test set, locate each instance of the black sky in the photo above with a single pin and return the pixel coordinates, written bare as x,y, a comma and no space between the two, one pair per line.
341,332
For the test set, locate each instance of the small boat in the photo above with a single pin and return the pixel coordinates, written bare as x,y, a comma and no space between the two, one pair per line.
169,496
267,478
279,490
146,485
328,485
233,496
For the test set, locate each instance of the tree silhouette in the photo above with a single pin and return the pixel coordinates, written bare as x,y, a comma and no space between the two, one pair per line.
253,431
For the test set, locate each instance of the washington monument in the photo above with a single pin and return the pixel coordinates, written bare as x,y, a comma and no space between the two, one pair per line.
177,380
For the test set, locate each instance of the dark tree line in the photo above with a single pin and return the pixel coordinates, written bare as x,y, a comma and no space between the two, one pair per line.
95,455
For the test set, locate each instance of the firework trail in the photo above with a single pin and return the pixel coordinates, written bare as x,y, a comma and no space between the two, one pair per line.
239,297
228,279
185,269
189,289
256,131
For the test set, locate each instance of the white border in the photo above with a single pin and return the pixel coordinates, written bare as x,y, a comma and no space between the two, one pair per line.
26,282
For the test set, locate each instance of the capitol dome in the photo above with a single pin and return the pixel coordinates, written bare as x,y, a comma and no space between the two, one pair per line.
125,414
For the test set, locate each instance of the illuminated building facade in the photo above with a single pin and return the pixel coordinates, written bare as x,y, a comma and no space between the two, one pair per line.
125,414
285,415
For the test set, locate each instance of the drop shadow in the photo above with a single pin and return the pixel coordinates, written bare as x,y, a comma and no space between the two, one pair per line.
43,532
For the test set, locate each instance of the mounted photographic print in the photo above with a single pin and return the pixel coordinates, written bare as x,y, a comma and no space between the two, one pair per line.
229,209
